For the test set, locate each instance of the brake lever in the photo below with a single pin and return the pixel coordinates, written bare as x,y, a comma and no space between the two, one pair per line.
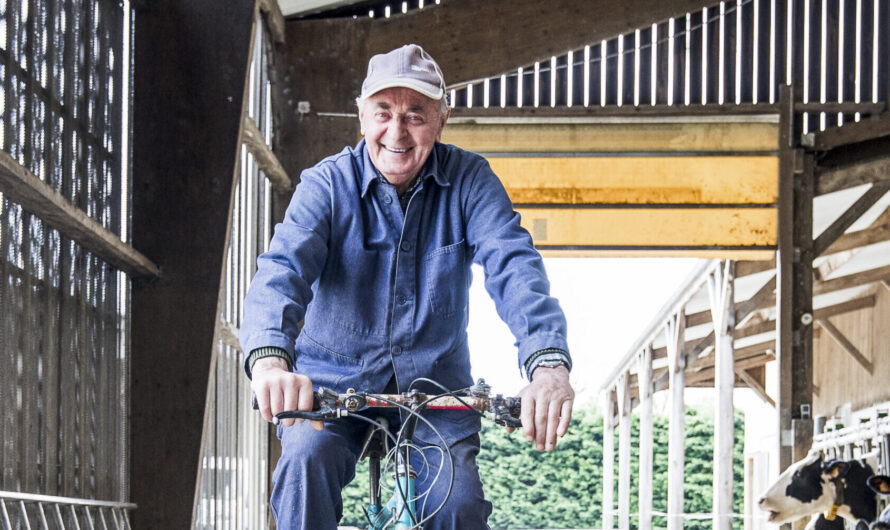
324,407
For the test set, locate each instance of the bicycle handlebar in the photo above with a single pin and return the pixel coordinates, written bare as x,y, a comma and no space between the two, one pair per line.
328,405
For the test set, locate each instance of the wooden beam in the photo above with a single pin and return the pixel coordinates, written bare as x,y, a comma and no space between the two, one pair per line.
647,180
674,333
651,228
878,231
228,335
864,172
707,374
886,284
850,216
747,268
845,344
624,408
274,19
610,135
721,288
755,385
526,30
268,163
743,113
644,369
851,133
833,262
21,186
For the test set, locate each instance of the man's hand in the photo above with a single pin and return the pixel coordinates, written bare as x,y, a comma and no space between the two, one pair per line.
547,406
277,389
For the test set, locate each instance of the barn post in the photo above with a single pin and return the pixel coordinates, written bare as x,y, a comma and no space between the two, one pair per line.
624,408
676,350
794,288
720,288
608,458
644,383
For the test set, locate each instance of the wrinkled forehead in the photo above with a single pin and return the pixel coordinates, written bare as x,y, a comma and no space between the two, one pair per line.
401,99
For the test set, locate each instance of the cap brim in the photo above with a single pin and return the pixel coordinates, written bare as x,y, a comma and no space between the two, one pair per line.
426,89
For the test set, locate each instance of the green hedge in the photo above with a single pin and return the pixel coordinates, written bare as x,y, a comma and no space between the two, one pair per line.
563,489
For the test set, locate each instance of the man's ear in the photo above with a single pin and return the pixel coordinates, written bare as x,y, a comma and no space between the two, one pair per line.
442,120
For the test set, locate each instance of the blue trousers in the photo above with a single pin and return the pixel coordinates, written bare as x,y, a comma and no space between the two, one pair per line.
316,465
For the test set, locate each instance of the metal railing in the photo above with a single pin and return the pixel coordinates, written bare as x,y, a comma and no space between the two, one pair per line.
26,511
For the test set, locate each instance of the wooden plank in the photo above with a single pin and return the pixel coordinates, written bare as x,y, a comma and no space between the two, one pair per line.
845,344
655,180
851,133
706,375
610,135
652,252
274,19
834,262
651,227
23,187
850,216
877,232
253,139
467,50
839,178
755,385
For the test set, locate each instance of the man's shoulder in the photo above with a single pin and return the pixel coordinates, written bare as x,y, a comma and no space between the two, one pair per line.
345,159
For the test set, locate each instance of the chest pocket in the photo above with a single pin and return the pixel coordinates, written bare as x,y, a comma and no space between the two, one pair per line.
447,279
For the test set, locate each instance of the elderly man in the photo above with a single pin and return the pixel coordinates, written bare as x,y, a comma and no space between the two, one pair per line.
374,257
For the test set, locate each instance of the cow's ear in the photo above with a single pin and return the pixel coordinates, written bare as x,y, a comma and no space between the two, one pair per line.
880,484
836,469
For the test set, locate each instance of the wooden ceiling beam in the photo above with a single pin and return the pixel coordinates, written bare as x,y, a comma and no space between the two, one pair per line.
515,33
852,133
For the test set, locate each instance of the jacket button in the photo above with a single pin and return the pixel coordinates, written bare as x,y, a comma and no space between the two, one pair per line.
406,246
387,199
401,299
396,350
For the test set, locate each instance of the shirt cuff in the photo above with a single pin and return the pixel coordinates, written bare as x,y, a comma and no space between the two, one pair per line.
546,355
268,351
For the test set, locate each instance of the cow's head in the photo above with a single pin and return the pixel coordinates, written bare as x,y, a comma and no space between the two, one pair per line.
880,484
812,485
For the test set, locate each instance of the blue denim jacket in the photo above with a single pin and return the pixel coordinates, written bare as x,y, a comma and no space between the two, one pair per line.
388,289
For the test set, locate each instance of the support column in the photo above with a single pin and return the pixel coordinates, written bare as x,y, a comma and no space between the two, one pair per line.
794,291
624,451
644,379
608,459
720,288
676,350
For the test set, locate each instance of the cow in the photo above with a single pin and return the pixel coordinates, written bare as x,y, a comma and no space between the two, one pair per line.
880,484
813,486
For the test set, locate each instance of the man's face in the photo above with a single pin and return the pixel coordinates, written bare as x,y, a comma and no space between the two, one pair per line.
400,127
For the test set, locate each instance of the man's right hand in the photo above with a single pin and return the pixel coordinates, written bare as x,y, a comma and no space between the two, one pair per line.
278,389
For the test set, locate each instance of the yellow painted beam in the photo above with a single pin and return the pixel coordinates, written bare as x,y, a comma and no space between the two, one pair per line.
639,180
733,254
612,137
706,227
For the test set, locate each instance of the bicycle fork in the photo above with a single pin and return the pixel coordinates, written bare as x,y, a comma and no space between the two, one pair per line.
397,510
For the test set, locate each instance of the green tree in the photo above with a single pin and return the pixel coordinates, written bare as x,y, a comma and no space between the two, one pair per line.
563,489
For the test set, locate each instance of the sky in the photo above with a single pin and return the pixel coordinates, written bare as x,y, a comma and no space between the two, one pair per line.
608,302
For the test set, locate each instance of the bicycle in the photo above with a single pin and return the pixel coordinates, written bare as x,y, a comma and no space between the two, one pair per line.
401,509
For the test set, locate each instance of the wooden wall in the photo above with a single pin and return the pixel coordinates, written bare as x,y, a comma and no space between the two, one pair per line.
840,379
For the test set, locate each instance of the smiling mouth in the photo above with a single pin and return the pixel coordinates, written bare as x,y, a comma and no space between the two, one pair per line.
395,150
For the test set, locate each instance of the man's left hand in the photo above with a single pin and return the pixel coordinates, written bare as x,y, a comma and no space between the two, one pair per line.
547,406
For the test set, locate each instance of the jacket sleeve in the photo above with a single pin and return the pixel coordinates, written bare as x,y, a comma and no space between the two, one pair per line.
514,271
281,289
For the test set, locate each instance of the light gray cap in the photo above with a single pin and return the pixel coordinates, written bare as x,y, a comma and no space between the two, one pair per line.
410,67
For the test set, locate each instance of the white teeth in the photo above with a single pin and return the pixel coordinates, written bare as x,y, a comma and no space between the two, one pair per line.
394,150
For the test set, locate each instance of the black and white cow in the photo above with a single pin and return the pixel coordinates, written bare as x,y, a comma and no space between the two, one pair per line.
813,486
881,485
